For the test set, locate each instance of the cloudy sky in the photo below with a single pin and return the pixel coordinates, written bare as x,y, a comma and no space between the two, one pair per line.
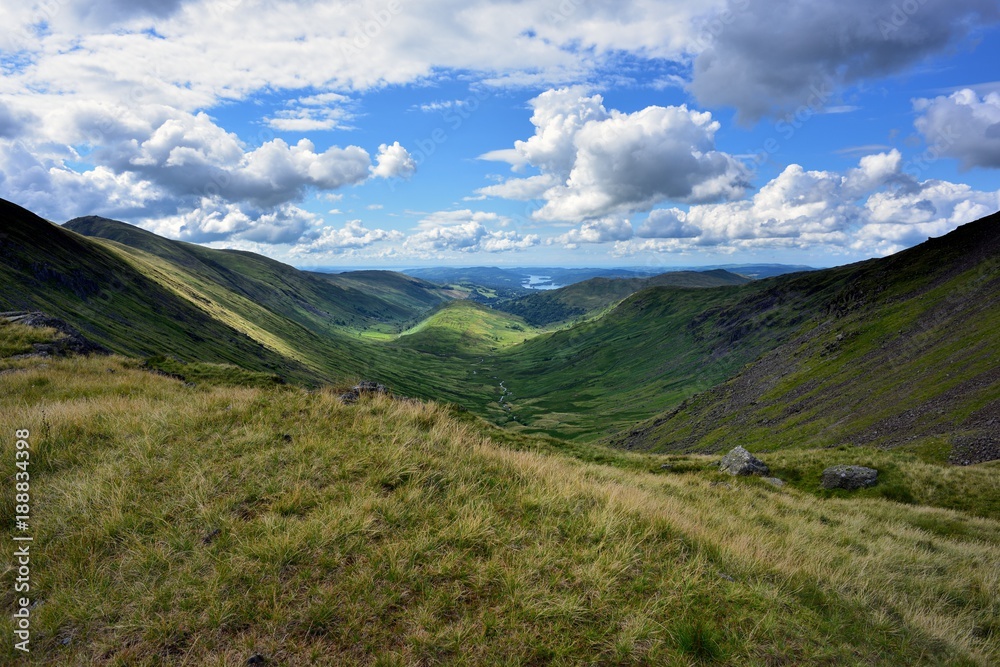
526,132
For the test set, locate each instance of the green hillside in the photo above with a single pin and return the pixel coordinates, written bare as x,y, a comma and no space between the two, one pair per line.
592,296
652,351
911,326
906,353
210,523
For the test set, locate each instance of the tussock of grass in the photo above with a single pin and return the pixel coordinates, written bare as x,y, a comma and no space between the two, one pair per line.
198,525
18,338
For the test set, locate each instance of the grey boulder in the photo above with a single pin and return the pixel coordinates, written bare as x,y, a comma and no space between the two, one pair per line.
741,462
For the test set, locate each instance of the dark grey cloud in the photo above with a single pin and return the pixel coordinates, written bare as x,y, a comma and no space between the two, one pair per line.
771,57
110,12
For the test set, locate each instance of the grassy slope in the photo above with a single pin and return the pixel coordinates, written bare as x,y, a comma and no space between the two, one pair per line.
465,328
907,354
592,296
654,350
336,355
199,525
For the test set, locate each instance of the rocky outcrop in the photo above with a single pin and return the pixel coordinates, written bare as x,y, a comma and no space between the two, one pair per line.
848,477
741,462
363,388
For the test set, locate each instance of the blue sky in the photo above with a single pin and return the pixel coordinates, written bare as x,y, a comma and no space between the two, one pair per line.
530,132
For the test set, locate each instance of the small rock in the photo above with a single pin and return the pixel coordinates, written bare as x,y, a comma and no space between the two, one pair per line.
774,480
210,536
256,659
848,477
369,387
666,466
741,462
349,397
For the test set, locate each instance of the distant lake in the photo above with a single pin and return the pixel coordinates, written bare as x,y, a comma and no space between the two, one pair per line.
539,282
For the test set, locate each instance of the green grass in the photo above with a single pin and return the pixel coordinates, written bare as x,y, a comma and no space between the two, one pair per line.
225,375
179,524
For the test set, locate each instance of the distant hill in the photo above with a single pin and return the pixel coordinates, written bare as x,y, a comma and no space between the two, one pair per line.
758,271
513,282
487,276
596,294
515,278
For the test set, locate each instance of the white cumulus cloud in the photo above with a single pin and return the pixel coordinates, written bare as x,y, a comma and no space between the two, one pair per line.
596,163
393,162
873,208
597,231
